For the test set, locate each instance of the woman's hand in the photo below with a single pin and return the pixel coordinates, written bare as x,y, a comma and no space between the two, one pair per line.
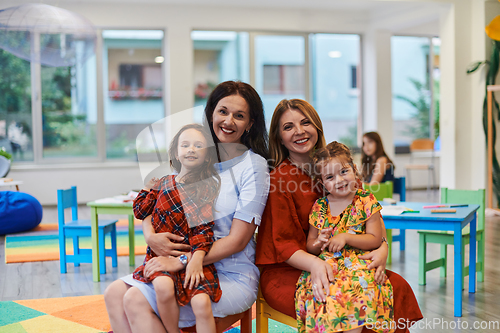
321,276
165,244
379,260
160,264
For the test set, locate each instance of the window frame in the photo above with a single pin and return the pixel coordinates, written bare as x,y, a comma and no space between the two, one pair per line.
36,105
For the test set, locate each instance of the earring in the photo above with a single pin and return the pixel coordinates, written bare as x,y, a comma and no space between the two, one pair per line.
248,131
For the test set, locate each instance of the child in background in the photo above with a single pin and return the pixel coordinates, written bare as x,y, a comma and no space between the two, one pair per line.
345,224
182,204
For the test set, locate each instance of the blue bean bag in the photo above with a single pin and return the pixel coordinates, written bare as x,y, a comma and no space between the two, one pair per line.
18,212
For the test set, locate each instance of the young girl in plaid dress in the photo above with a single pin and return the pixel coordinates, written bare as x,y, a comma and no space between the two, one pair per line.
182,204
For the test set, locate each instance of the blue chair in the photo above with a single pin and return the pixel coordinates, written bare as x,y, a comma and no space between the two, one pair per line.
399,186
81,228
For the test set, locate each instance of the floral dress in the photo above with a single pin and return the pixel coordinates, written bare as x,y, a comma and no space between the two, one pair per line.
355,298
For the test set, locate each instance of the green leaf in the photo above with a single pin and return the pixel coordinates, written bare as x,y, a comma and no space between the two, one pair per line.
475,66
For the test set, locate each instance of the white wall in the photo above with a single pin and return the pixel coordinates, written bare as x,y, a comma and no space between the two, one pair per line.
460,24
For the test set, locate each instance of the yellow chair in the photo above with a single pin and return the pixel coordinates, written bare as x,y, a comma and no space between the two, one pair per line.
266,312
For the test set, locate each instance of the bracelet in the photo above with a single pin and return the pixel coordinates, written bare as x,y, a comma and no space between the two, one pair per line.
384,240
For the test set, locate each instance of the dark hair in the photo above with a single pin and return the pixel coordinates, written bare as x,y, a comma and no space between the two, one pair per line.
368,162
207,179
256,138
277,150
332,150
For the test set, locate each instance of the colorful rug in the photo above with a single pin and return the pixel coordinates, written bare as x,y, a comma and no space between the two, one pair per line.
42,243
82,314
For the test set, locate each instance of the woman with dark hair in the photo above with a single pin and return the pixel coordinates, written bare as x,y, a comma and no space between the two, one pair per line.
377,167
295,133
235,116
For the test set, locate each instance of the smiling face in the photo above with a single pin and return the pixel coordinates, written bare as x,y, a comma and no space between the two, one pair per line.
298,134
231,118
191,149
369,146
338,177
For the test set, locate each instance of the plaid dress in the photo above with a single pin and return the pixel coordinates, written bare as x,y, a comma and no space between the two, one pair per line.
171,208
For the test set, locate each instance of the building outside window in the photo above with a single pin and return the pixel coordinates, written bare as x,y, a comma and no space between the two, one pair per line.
133,87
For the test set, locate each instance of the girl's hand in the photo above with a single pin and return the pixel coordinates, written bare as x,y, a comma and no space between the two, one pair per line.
323,237
336,243
160,264
194,274
379,260
165,244
150,183
321,276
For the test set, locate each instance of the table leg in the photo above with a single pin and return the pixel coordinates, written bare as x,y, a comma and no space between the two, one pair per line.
131,240
17,187
96,277
457,262
472,255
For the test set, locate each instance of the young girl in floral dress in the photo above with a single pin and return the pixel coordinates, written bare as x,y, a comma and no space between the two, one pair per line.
182,204
345,224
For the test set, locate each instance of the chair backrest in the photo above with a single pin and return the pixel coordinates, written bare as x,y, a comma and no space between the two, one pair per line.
67,199
381,190
422,144
466,197
399,187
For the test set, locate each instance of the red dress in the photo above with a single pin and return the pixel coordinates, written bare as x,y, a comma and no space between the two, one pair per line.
171,209
283,231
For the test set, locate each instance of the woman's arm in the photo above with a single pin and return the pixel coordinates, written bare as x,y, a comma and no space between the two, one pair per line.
240,234
165,243
379,170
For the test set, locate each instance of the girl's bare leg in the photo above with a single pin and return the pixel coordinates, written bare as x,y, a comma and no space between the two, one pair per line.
140,314
166,302
202,308
113,296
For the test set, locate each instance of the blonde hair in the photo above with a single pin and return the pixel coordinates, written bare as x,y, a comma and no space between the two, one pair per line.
333,150
279,152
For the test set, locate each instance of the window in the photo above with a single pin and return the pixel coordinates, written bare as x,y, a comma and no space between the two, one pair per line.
218,56
15,107
328,80
415,69
283,79
334,60
69,105
133,87
65,125
279,69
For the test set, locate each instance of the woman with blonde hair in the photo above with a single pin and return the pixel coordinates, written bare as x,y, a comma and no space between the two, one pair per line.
295,133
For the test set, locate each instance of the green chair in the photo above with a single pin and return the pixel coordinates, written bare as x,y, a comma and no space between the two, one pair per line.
382,191
446,237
